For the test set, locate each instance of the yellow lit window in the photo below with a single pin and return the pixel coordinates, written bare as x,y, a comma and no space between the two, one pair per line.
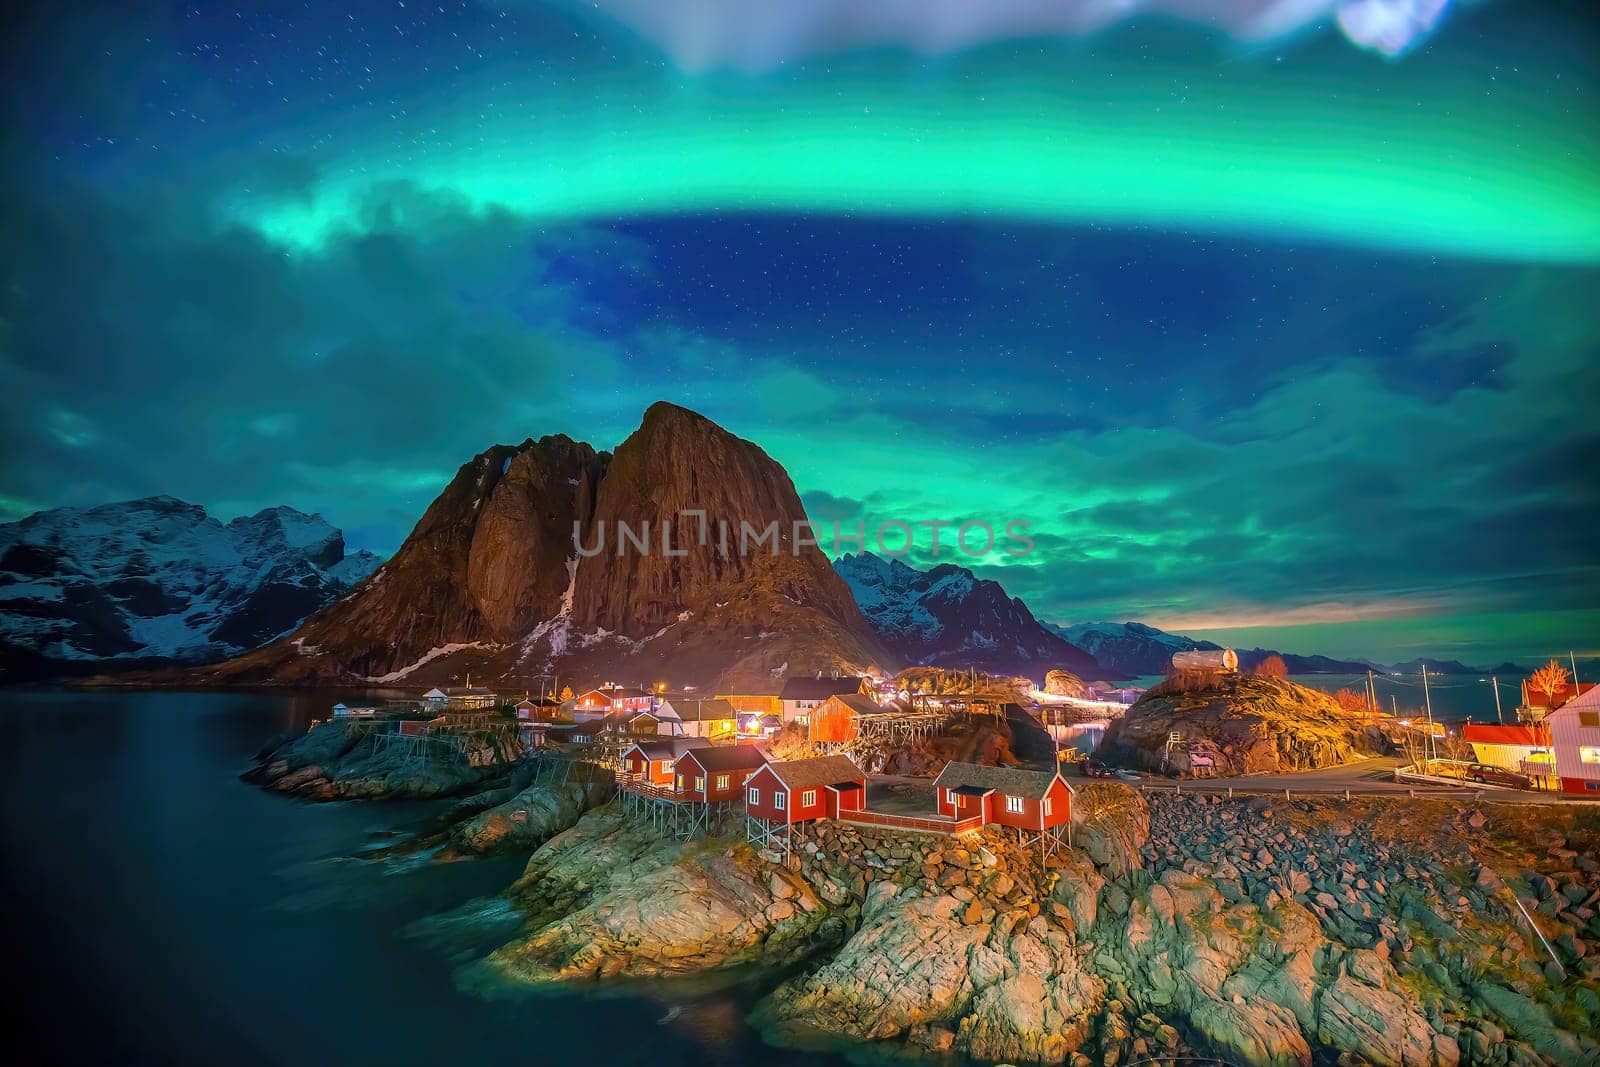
1589,753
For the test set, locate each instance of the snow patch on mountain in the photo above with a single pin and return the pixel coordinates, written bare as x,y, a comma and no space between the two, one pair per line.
948,616
160,581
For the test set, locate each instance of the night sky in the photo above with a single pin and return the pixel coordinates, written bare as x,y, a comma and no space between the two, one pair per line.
1278,323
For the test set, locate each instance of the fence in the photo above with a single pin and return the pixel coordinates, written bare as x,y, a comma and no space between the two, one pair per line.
912,822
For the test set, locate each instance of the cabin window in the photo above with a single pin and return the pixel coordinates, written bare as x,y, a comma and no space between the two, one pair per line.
754,797
677,783
699,784
1014,805
1589,718
1047,805
722,781
667,765
778,800
1589,753
949,795
808,798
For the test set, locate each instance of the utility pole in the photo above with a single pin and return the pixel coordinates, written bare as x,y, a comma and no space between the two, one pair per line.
1574,661
1372,693
1496,683
1427,700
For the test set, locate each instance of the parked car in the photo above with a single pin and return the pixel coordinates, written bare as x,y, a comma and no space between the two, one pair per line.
1126,775
1480,772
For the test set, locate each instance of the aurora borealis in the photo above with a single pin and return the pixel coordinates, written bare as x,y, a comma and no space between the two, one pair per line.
1257,328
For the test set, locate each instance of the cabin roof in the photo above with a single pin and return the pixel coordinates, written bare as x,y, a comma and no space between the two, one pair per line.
1504,735
861,705
693,709
818,770
668,747
1015,781
728,757
818,688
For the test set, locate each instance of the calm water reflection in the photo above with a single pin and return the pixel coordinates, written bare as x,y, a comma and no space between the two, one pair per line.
158,910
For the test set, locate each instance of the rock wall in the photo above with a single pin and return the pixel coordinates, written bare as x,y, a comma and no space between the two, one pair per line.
343,761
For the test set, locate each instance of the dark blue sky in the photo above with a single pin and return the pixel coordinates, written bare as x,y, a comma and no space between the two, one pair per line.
1298,346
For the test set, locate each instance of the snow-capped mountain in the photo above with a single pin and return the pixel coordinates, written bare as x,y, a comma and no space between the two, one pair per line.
1129,649
159,581
950,617
1132,649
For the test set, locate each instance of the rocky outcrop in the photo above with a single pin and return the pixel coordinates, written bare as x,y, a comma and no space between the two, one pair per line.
532,816
1058,683
1249,724
634,908
1260,932
492,579
346,761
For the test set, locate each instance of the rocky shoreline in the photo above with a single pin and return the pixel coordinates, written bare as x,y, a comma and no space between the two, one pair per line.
1257,931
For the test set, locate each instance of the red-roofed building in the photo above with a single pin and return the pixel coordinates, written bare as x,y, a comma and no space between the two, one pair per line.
1541,704
1523,749
1575,733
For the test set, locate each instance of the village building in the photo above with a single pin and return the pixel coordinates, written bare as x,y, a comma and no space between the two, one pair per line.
469,698
757,724
598,703
1536,703
716,774
652,763
1524,749
1038,804
436,698
1575,737
780,796
537,709
754,703
837,719
697,717
800,696
359,711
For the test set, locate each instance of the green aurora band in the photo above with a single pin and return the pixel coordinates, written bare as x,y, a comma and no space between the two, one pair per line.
1418,160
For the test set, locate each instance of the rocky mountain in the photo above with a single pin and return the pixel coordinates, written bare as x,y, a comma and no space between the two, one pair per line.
1132,649
684,567
158,581
949,617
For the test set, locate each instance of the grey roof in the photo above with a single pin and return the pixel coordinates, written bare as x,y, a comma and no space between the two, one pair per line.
691,709
818,770
728,757
668,747
861,705
818,688
1014,781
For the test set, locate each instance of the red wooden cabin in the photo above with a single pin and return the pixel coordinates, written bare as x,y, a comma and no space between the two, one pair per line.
837,719
716,775
654,762
1032,801
801,790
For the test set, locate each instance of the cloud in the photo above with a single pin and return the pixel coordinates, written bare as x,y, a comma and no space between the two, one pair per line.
705,34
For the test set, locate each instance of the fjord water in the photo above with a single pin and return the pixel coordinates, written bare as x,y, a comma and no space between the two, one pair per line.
157,909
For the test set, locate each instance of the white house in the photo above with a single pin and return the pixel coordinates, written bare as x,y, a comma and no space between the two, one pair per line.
801,695
1575,735
693,717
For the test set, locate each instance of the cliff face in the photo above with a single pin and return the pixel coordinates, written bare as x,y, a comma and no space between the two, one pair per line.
491,581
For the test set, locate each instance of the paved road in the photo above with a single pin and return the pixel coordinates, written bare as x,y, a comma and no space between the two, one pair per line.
1373,777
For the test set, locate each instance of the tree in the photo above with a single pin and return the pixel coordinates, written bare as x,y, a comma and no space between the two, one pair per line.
1549,680
566,692
1350,700
1272,667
